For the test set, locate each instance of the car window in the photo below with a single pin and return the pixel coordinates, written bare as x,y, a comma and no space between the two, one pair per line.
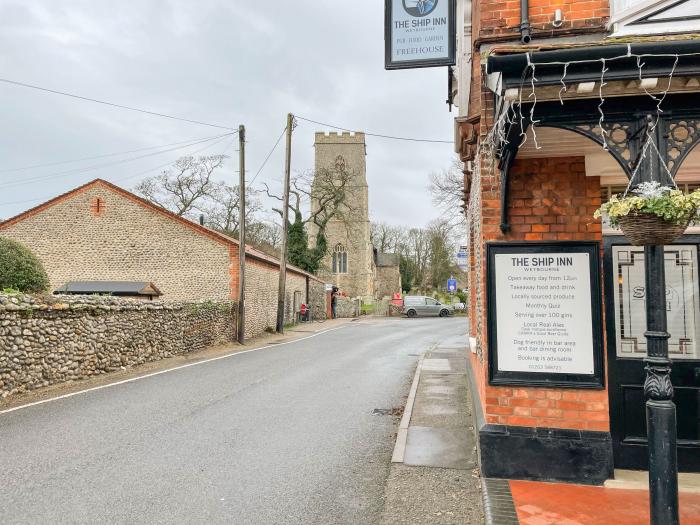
431,302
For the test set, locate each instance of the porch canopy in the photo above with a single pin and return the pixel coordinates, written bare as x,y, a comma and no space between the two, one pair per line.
621,96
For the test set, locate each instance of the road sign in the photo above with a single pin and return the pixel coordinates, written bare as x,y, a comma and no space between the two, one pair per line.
462,258
451,285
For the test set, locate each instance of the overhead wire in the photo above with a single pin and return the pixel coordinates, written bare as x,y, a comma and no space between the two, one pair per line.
379,135
112,104
71,161
262,166
106,164
166,164
119,179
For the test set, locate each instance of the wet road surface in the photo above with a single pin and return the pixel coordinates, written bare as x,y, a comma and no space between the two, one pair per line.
281,435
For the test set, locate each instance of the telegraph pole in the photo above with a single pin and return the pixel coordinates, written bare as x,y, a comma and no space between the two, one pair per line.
240,327
285,221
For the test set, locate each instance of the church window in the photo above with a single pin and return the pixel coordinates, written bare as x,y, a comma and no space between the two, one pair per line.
340,259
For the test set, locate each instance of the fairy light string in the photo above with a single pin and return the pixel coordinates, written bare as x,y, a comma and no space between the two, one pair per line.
493,144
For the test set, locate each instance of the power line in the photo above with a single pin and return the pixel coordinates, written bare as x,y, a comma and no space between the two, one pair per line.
112,104
392,137
268,156
160,166
106,164
58,163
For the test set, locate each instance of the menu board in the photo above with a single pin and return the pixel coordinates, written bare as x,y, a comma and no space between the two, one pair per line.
544,313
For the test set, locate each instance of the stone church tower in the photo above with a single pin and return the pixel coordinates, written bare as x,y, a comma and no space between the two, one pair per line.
349,263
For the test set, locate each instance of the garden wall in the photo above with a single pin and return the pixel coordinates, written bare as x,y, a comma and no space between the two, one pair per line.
55,339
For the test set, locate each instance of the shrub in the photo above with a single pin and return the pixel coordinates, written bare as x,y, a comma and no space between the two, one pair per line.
20,269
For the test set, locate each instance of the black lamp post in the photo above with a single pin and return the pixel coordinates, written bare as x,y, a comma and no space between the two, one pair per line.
658,390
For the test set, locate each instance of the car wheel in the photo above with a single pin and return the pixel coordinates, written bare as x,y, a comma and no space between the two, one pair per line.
444,313
411,313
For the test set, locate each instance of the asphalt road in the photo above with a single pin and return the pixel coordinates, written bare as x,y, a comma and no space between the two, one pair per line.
275,436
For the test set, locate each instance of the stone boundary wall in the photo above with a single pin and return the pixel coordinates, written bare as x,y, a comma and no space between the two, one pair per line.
55,339
345,307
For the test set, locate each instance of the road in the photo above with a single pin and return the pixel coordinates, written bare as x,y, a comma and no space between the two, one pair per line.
275,436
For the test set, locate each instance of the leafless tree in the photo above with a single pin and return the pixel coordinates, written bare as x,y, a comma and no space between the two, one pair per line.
317,197
265,236
447,190
183,187
385,237
221,208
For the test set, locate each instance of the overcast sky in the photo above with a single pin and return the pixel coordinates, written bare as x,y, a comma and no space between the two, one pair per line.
227,62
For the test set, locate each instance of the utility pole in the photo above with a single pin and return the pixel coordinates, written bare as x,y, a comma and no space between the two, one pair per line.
240,328
285,221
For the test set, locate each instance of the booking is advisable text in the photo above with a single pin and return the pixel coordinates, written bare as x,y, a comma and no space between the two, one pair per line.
544,317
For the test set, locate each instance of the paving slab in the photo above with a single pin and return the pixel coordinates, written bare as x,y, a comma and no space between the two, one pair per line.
440,447
438,481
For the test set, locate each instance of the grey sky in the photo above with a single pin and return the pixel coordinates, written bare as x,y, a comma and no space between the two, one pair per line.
228,62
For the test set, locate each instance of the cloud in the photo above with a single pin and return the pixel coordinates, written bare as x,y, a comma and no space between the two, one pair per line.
226,62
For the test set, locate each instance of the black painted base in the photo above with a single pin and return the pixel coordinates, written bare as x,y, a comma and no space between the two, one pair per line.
545,454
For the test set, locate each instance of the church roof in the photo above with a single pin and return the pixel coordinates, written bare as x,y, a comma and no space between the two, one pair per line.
387,259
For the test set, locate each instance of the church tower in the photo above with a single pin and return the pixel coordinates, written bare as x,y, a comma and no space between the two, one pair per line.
349,263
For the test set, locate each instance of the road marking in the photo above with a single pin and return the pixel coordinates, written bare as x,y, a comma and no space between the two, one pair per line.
146,376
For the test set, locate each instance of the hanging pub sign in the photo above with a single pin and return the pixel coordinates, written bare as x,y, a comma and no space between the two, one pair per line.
419,33
544,314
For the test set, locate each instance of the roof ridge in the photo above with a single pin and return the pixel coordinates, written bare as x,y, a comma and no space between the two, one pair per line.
209,232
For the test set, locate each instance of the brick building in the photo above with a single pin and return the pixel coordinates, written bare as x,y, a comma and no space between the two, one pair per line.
100,232
560,105
351,263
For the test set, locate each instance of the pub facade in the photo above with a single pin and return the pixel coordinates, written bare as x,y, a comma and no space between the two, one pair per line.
562,106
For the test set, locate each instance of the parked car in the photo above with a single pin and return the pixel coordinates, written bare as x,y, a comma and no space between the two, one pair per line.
415,305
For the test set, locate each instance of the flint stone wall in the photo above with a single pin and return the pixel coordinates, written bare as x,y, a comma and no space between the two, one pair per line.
56,339
345,307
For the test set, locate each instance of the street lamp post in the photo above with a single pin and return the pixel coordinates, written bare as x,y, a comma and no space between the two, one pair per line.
658,390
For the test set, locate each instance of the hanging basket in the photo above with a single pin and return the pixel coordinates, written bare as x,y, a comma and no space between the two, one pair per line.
646,228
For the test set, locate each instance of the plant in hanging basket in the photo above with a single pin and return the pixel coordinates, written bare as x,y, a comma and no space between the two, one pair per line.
652,213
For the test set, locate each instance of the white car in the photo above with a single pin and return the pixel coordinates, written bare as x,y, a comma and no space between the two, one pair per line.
415,305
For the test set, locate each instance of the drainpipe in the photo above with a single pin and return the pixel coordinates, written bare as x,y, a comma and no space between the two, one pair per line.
524,22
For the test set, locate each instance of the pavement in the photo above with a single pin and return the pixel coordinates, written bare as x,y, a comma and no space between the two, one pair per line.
566,504
289,433
434,476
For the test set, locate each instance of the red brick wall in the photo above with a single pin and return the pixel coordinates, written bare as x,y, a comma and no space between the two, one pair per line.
550,200
499,17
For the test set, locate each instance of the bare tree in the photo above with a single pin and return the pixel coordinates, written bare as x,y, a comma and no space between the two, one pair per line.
447,190
315,198
385,237
221,208
265,236
183,187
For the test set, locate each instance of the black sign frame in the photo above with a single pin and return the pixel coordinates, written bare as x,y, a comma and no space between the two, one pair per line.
547,379
451,59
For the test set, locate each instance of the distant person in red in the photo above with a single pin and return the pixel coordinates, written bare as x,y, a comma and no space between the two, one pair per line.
334,300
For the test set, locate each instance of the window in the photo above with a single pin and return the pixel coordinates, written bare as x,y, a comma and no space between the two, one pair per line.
681,301
340,259
431,302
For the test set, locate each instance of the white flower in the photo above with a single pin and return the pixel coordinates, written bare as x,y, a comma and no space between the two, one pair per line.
651,190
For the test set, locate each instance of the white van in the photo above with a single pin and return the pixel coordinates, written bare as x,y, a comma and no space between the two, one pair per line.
415,305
